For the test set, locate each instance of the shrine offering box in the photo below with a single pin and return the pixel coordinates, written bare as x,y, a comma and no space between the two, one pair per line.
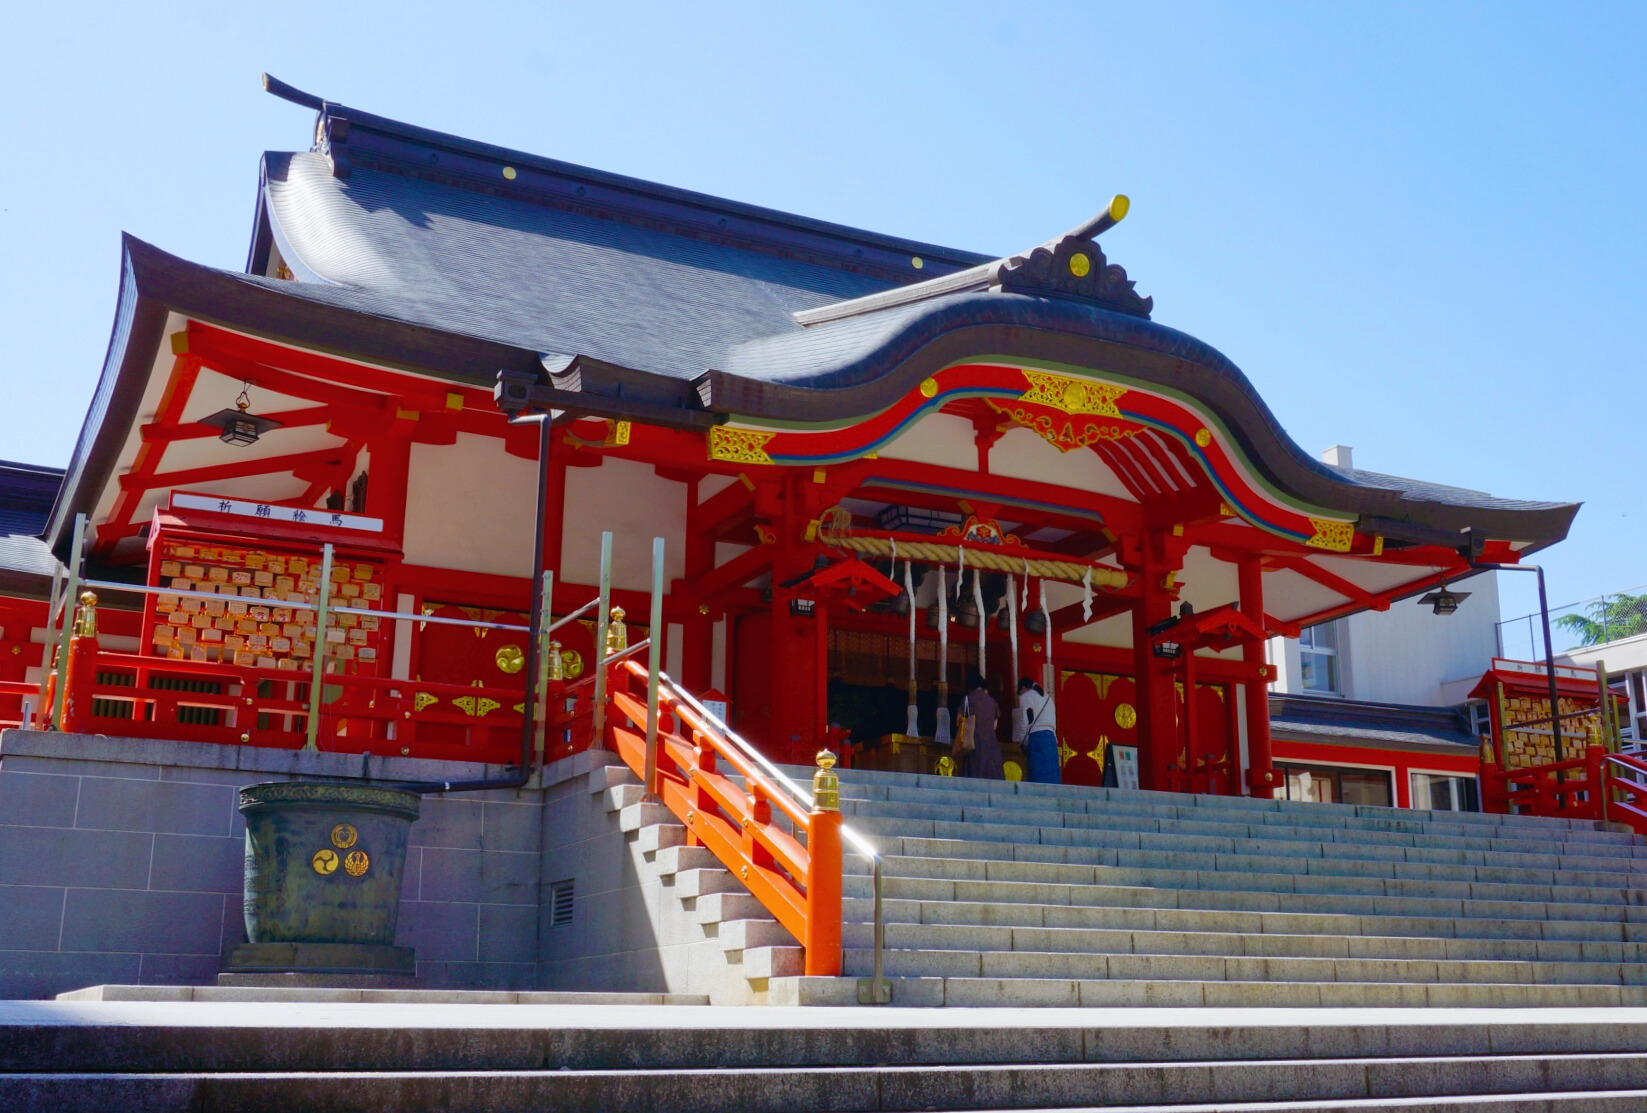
260,575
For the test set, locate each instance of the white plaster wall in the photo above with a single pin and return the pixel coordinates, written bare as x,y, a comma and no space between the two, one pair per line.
469,506
1024,454
1408,654
940,439
636,504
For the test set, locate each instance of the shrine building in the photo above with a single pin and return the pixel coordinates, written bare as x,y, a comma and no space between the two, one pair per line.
865,455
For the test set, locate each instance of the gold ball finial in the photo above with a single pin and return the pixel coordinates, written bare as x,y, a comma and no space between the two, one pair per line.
88,598
618,614
826,784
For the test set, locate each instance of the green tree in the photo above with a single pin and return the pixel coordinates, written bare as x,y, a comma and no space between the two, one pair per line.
1610,618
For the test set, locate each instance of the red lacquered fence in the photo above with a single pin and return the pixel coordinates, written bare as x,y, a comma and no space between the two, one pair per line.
1588,787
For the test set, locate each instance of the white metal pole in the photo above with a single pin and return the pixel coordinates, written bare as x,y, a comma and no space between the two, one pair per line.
317,682
546,616
71,595
654,665
603,613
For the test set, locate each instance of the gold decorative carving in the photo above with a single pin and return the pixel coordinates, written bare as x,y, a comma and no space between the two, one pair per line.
1126,716
424,700
1079,265
325,862
344,836
1203,437
571,664
476,706
929,388
509,658
357,863
1336,536
739,446
1073,396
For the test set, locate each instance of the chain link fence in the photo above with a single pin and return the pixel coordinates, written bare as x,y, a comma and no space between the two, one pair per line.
1605,618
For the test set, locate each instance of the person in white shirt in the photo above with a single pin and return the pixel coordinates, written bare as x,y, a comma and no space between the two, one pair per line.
1040,719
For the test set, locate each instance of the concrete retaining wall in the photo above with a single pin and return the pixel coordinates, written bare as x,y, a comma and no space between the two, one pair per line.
121,860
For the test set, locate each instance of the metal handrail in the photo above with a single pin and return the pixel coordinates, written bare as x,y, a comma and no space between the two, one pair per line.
805,798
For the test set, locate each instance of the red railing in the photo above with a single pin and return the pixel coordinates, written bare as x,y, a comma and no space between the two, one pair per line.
1587,787
135,696
798,881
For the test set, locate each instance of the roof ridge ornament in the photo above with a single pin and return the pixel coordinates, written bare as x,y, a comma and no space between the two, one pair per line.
1074,265
1071,265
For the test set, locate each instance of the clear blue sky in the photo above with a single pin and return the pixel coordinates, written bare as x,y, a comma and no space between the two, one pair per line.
1418,228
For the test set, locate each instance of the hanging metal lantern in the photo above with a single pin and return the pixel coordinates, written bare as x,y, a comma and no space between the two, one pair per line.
240,426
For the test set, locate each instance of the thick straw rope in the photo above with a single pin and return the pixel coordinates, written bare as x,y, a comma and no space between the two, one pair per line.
980,556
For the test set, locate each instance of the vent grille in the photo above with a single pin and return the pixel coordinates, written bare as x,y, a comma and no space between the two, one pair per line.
560,903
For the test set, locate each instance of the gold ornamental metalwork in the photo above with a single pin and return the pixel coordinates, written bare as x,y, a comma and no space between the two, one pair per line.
617,635
1126,716
357,863
424,700
554,665
1073,396
945,766
1335,536
739,446
85,622
571,664
344,836
325,862
510,658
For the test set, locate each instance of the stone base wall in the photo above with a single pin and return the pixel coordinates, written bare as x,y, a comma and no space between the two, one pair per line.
121,861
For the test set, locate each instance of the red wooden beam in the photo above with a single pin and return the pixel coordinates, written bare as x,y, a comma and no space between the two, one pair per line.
737,571
157,433
1312,571
267,465
185,370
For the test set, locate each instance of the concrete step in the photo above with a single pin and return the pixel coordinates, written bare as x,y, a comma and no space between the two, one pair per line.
1610,940
715,908
1620,959
1485,852
622,796
1416,1084
774,962
748,934
1409,862
1009,808
703,882
1225,892
1238,871
930,992
679,859
863,784
1174,965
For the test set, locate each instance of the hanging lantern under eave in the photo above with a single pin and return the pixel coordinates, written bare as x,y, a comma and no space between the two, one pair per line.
239,425
1444,601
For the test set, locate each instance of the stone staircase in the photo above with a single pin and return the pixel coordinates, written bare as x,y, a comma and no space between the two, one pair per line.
194,1057
1020,894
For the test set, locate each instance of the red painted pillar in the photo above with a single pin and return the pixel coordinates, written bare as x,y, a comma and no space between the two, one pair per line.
1157,693
794,652
1260,754
698,646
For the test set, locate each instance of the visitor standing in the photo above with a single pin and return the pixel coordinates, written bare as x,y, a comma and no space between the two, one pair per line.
1040,732
984,759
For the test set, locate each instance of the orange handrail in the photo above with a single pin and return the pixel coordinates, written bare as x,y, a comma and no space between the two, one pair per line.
799,883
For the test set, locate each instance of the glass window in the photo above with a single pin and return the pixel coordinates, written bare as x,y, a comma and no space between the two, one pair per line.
1326,784
1318,654
1441,793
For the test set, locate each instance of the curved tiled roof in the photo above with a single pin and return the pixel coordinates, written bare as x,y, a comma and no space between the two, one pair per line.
426,250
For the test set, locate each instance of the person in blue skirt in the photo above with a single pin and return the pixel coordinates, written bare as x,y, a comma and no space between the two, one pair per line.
1040,720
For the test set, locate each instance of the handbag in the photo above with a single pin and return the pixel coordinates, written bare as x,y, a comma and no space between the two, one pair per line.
966,735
